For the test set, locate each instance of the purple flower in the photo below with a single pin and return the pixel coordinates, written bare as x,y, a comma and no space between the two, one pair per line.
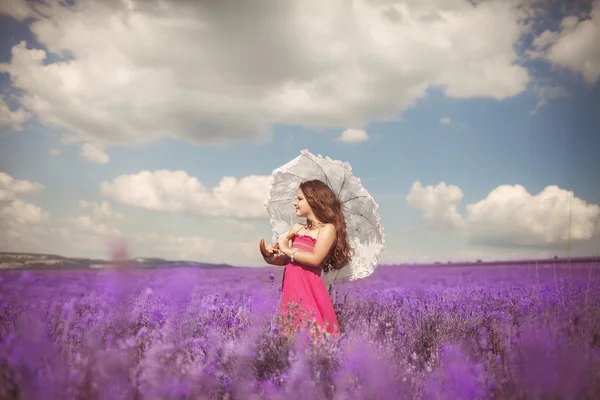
408,332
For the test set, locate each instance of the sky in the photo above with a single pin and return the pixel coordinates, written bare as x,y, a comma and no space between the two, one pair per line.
158,124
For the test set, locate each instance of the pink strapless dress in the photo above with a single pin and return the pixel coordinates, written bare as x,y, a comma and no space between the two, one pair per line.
304,286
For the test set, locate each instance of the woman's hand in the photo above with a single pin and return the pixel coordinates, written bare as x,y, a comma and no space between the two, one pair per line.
269,248
276,257
284,243
273,253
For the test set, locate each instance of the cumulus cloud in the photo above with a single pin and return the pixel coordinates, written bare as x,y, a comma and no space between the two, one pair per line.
19,10
12,119
101,210
175,246
91,226
574,45
198,248
98,223
178,192
530,220
26,227
548,92
438,204
353,136
19,213
509,215
94,154
71,236
96,227
135,71
20,221
10,188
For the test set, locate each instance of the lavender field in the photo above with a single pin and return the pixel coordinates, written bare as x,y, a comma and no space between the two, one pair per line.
415,332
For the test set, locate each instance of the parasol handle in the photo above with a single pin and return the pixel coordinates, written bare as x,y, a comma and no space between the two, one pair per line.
288,237
263,249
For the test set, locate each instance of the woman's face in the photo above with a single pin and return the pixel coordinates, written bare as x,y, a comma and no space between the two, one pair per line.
302,207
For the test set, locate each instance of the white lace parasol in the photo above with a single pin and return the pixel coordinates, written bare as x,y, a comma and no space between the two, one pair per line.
365,233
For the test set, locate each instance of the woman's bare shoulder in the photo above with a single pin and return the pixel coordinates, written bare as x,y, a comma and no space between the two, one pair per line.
296,227
328,229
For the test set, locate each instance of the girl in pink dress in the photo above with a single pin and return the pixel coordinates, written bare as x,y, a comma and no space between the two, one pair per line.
320,242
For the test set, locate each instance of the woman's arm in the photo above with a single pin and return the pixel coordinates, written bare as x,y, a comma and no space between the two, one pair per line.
281,259
316,257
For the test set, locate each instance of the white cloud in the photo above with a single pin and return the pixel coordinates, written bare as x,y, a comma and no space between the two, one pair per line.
10,188
88,234
575,45
177,247
525,219
198,248
137,71
19,213
445,121
18,10
20,222
29,228
176,191
25,227
91,226
353,136
78,236
438,204
101,210
548,92
94,154
55,152
100,223
509,215
12,119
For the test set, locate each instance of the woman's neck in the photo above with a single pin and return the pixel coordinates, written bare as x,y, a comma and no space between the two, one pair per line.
312,223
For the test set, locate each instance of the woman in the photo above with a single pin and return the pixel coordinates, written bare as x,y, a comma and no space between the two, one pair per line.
320,242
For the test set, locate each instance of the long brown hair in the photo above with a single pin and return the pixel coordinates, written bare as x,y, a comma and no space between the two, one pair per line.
328,209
